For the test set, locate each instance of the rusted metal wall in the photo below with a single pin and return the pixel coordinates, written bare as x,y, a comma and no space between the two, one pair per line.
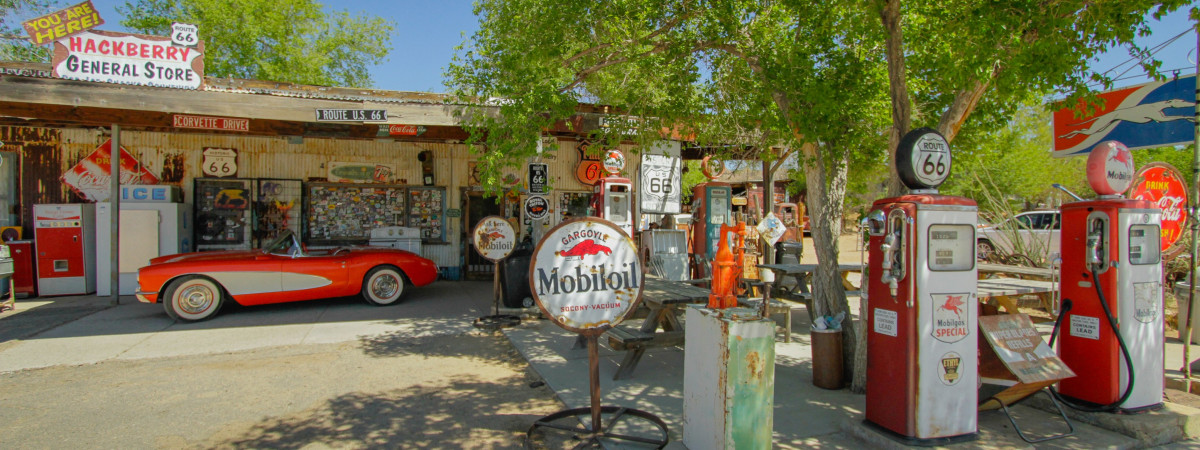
40,154
176,158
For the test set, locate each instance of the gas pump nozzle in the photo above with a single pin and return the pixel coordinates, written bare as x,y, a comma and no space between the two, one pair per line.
889,249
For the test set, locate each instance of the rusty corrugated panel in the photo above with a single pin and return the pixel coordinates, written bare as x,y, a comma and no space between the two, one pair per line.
41,161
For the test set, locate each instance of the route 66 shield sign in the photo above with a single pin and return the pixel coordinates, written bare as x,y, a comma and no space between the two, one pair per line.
220,162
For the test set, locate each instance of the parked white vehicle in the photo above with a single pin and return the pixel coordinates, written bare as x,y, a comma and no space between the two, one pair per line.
1036,234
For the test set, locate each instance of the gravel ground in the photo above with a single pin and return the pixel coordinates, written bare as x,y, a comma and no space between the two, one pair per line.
465,391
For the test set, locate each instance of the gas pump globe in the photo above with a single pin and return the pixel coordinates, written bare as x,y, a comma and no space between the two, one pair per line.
922,363
612,196
1111,323
712,206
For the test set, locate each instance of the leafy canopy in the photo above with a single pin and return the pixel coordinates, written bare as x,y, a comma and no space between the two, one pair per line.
294,41
14,45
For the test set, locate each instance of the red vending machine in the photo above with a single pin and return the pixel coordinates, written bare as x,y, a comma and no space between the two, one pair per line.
24,277
64,236
922,362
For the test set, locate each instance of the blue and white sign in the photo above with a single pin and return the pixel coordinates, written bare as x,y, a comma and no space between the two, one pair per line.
1149,115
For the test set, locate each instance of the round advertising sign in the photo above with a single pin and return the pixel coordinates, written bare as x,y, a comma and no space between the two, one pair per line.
614,161
536,207
1110,168
923,159
1161,184
585,275
494,238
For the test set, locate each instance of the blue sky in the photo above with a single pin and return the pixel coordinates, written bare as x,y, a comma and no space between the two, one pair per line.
426,33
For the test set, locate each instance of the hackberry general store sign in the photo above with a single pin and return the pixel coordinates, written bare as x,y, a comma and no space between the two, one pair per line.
585,275
124,58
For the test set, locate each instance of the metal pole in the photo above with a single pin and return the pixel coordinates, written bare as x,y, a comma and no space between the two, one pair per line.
114,216
1195,226
594,382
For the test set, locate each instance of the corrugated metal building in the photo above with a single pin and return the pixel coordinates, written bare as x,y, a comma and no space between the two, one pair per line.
49,125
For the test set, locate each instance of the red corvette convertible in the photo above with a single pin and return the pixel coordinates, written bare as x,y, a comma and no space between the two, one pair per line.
193,286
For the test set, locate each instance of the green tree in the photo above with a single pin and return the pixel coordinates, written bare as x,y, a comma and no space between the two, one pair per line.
14,44
778,78
294,41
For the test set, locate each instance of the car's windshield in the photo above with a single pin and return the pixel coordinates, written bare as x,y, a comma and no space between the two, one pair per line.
284,244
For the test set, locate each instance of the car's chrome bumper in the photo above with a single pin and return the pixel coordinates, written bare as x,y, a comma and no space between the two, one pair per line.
144,297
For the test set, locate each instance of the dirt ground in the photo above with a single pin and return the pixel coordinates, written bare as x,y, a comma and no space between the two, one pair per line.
468,391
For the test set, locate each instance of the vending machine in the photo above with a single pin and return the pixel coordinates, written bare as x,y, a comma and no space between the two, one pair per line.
153,223
64,236
922,364
1111,323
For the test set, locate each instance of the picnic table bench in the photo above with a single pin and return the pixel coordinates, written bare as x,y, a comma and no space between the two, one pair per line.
665,301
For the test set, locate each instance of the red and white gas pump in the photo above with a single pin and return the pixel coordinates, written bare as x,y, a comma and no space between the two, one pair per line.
1112,318
612,196
922,363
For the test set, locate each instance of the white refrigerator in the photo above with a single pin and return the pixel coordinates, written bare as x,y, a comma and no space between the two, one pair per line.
147,230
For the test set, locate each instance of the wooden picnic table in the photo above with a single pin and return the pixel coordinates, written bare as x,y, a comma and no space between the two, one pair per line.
802,274
665,300
1036,273
1005,291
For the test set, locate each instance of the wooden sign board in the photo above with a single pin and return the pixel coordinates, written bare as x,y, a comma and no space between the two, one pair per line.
1016,352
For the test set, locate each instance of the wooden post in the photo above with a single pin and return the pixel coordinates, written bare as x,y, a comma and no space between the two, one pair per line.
114,216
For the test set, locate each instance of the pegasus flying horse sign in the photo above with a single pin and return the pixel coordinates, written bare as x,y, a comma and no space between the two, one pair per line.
1149,115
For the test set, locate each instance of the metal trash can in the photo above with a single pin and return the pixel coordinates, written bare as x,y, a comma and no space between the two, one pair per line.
827,358
789,252
514,277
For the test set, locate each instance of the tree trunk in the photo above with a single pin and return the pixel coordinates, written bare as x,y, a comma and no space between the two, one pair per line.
826,182
889,14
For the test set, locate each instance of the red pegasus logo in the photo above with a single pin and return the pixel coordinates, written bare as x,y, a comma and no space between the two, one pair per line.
1121,157
586,247
953,304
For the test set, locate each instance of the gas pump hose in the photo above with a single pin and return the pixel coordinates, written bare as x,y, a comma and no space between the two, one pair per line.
1112,323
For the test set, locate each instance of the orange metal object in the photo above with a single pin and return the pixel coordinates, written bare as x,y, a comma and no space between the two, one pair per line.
727,268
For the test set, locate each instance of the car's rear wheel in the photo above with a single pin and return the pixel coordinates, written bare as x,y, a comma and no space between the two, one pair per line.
193,298
383,285
984,249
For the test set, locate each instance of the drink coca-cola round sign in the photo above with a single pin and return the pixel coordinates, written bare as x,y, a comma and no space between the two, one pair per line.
585,275
1161,184
494,238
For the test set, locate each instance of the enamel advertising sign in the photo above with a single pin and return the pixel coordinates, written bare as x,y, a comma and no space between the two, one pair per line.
1161,184
68,21
1149,115
585,275
124,58
91,177
494,238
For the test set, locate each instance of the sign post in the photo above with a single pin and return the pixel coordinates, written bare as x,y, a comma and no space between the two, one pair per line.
586,277
494,239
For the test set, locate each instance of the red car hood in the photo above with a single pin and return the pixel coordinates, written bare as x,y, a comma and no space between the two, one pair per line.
207,256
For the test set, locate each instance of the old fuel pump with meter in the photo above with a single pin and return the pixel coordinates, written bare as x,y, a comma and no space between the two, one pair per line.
612,196
922,363
1111,334
712,206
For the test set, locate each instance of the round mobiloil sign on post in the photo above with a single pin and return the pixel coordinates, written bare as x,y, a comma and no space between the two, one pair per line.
494,238
585,275
923,159
1110,168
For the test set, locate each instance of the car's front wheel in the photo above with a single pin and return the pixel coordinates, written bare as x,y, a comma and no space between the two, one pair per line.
193,298
383,285
984,249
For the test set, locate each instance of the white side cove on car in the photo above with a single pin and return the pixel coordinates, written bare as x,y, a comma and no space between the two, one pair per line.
241,283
